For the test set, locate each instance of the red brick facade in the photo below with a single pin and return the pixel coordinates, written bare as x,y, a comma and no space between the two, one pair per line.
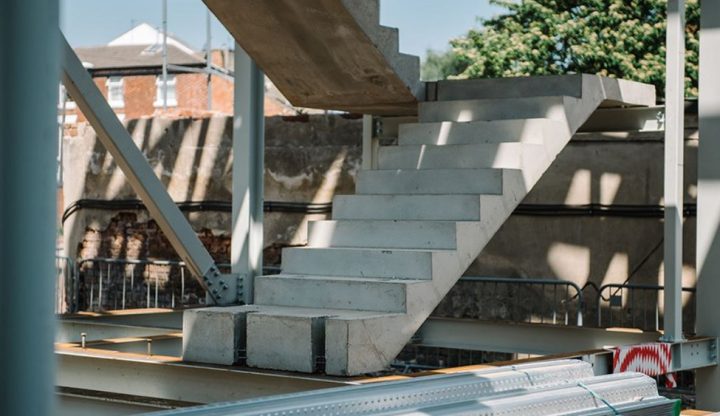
139,92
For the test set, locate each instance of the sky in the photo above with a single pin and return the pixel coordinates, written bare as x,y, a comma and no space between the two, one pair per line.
423,24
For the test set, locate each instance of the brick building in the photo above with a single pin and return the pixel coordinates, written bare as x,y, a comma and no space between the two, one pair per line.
129,73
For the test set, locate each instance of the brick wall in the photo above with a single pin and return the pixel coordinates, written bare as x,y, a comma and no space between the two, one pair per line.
139,96
191,90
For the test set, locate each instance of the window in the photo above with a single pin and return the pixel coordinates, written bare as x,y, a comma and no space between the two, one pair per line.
171,93
115,92
64,99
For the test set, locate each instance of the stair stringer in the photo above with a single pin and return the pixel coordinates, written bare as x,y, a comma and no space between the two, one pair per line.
356,346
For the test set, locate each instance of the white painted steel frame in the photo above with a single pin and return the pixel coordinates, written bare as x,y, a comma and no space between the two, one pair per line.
246,254
674,185
138,376
708,216
115,138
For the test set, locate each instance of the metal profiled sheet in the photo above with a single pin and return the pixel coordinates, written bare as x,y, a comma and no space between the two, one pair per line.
405,396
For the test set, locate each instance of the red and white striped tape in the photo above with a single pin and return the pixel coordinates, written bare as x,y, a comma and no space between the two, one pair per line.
652,359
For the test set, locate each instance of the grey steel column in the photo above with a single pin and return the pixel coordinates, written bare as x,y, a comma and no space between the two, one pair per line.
367,145
674,192
708,217
248,167
29,63
164,55
208,58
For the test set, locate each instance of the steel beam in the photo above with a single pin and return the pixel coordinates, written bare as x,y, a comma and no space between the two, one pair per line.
136,375
77,402
28,129
247,175
708,216
540,339
694,354
140,175
674,186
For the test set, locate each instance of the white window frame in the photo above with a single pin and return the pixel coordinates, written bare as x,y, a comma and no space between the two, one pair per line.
171,85
113,100
69,103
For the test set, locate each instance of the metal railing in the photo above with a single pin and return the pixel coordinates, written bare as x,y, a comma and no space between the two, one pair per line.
107,283
548,301
100,283
635,306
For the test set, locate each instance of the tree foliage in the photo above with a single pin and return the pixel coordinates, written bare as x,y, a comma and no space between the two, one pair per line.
439,65
620,38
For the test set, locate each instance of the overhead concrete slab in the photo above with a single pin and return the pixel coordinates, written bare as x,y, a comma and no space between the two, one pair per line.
329,54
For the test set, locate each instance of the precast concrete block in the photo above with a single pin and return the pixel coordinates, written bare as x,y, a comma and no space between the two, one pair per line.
285,341
215,335
355,346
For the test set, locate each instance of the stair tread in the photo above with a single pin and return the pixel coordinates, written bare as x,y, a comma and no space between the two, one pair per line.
501,99
299,311
501,121
310,277
409,250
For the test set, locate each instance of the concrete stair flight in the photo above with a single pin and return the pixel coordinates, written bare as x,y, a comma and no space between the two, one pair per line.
352,299
329,54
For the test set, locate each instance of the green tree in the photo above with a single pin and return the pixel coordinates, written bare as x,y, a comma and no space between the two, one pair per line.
618,38
440,65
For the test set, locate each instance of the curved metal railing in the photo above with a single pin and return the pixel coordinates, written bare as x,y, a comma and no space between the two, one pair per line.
633,305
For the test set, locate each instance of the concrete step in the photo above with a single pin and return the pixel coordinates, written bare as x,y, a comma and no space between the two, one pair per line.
429,181
361,294
386,39
510,87
449,133
365,12
427,235
493,109
360,262
407,207
461,156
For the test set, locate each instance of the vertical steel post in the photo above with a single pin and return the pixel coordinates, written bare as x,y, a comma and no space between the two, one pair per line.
28,133
707,380
164,54
208,58
367,145
674,189
248,168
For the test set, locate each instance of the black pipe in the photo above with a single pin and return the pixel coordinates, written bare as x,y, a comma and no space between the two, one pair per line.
552,210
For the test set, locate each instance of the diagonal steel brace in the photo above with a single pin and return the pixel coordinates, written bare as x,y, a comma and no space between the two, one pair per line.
222,289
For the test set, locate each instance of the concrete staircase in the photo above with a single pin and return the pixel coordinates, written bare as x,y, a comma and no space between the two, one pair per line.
370,276
329,54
